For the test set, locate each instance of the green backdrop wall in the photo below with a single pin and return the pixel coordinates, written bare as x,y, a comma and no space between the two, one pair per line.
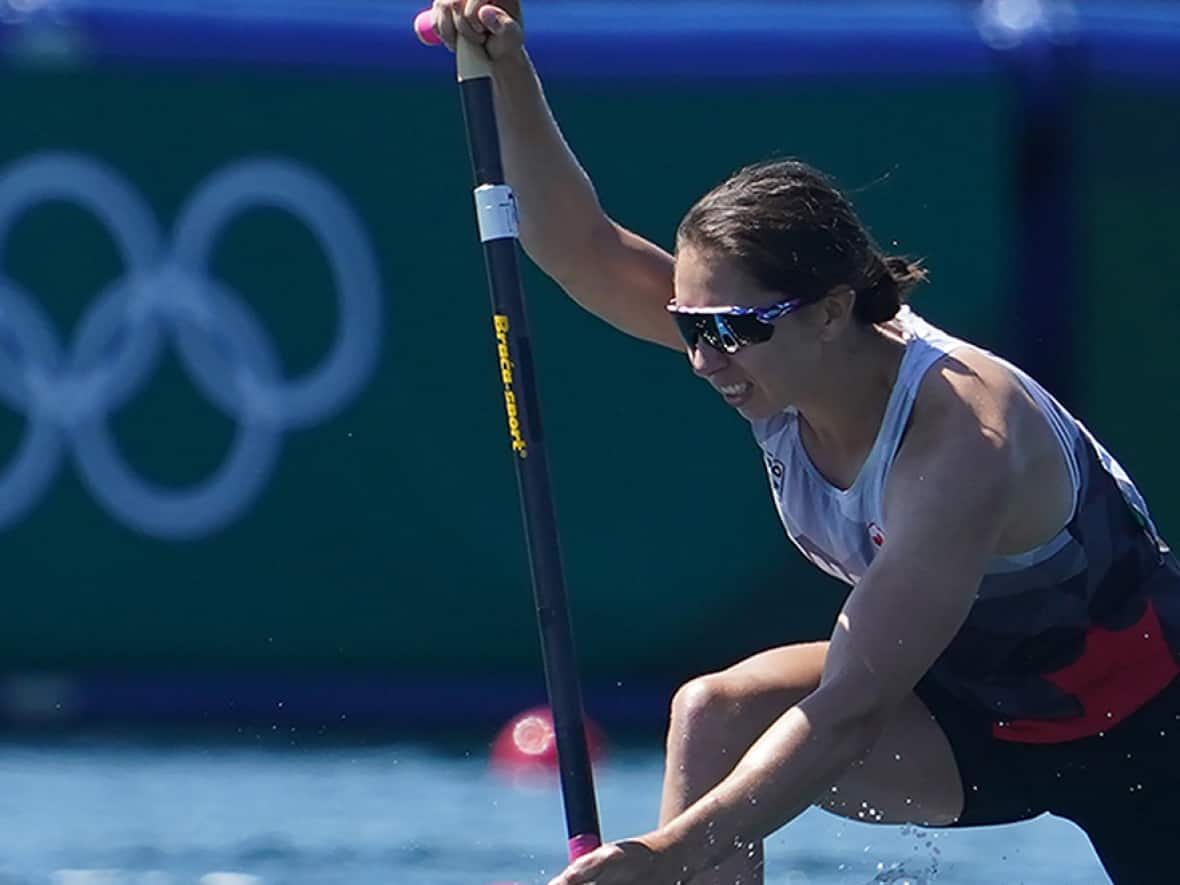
1130,191
389,535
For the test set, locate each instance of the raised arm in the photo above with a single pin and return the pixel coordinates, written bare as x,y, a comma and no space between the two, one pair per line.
612,272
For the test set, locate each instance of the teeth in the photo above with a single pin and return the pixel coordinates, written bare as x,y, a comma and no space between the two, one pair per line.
734,389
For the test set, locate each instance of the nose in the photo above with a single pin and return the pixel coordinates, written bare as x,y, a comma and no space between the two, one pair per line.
706,360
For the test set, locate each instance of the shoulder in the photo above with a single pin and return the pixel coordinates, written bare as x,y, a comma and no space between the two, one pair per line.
962,376
968,394
966,417
980,450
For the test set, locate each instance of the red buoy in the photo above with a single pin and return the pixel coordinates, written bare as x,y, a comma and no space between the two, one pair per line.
528,744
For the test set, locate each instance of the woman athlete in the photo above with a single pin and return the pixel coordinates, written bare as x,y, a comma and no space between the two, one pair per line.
1009,645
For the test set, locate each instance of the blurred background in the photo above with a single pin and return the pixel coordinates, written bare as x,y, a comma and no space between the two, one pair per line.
255,483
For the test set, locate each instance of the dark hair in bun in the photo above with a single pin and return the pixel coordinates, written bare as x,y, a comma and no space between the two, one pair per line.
789,225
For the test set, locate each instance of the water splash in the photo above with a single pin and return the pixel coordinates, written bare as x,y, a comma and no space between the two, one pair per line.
898,874
916,871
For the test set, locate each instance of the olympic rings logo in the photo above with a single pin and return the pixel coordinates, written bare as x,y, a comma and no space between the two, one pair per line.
168,296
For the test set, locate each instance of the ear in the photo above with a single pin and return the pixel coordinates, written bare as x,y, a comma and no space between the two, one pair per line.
835,312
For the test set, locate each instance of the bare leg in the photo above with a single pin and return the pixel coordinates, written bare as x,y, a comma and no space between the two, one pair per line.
909,775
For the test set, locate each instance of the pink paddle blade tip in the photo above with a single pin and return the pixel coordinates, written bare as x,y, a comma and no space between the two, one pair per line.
424,28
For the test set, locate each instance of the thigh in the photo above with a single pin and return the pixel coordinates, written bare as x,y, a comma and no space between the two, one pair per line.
909,776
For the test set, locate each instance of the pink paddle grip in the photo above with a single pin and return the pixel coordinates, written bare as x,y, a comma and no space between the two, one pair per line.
424,28
583,844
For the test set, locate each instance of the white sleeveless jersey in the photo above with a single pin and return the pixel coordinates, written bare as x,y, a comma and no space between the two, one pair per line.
840,530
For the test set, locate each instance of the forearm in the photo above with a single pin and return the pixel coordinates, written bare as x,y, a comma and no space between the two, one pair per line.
784,772
559,210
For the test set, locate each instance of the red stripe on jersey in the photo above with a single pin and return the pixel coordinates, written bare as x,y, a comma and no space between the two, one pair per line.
1117,673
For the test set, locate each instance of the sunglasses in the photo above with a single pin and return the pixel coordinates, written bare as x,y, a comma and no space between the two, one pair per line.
729,328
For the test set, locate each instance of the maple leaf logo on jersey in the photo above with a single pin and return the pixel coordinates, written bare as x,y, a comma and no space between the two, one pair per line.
876,535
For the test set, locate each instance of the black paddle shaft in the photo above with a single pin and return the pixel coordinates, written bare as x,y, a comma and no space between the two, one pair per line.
496,211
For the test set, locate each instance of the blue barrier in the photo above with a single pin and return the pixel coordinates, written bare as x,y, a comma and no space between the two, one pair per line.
604,38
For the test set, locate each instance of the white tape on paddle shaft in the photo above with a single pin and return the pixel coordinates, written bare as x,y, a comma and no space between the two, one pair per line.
495,207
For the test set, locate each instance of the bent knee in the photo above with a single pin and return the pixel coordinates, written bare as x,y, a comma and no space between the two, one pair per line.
704,702
732,708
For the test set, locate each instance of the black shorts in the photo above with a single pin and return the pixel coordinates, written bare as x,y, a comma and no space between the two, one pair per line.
1122,787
